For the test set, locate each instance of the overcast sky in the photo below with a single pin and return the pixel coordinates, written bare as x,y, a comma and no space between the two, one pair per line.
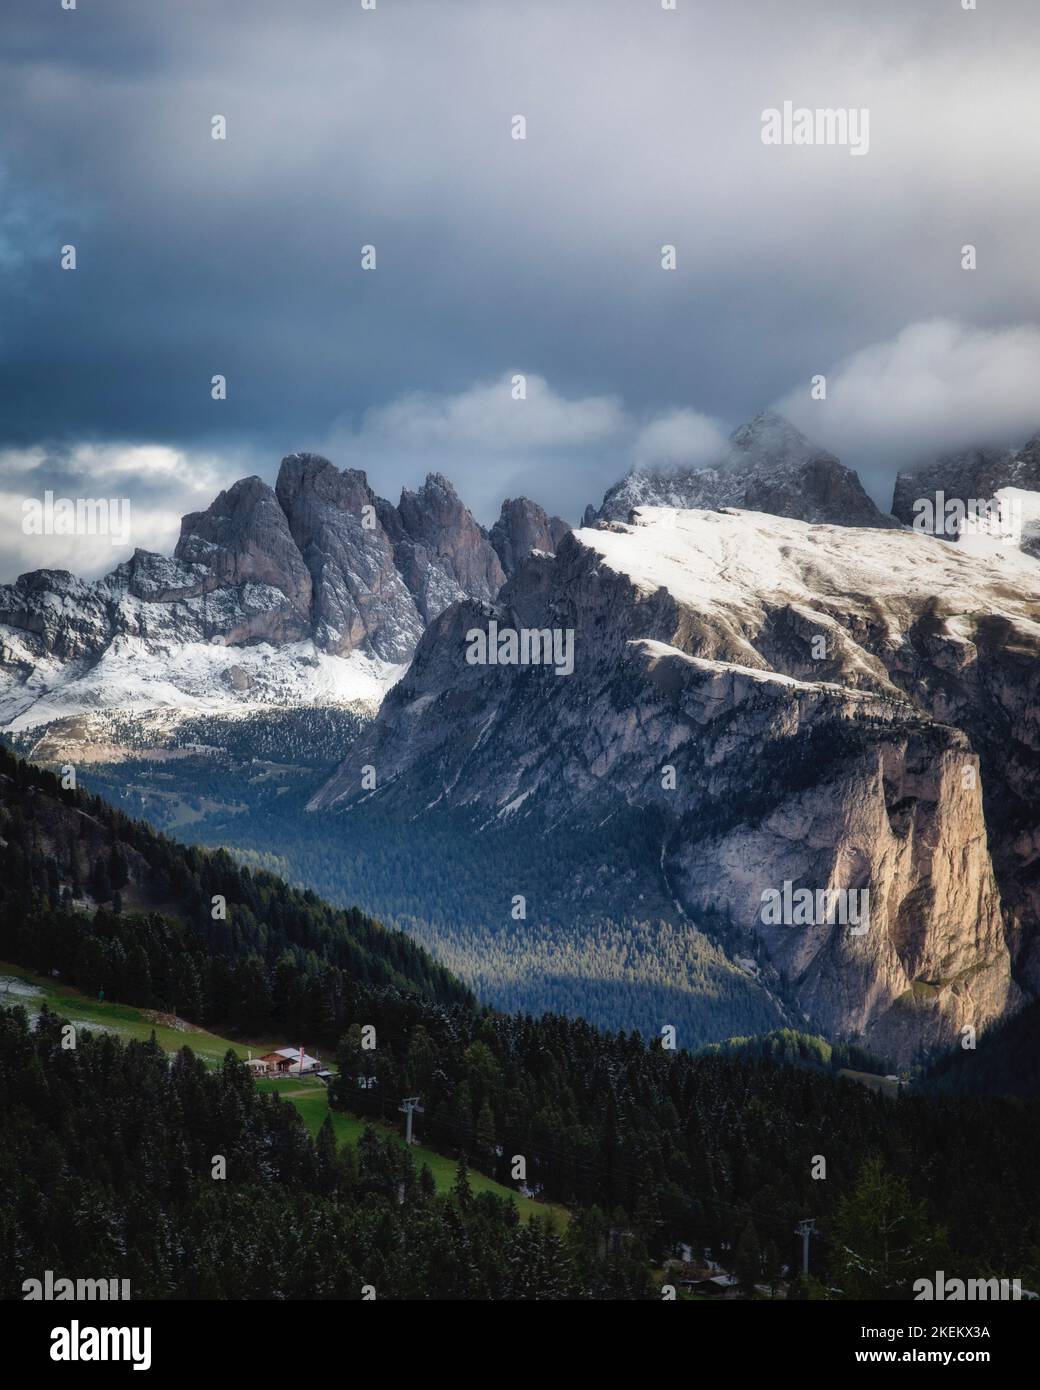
497,256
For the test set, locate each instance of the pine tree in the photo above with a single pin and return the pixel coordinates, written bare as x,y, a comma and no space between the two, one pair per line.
486,1131
747,1261
461,1188
100,885
883,1240
325,1155
117,868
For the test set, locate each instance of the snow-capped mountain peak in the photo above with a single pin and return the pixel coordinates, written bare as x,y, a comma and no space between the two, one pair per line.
313,591
769,466
769,701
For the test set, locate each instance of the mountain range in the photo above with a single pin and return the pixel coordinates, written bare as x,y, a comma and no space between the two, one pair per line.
774,683
823,697
315,591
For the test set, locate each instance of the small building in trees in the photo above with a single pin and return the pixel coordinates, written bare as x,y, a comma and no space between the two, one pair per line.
300,1063
275,1064
285,1061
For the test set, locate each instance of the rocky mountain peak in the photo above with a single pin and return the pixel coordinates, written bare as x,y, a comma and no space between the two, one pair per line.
312,570
770,438
522,528
769,466
315,477
243,537
233,515
434,506
977,473
437,485
359,597
439,530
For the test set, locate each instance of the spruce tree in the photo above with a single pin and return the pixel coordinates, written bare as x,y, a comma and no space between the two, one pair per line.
747,1261
882,1238
460,1188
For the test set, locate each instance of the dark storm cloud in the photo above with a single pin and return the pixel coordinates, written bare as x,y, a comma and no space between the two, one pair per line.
391,127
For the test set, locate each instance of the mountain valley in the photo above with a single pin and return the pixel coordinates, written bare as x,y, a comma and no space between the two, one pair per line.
757,699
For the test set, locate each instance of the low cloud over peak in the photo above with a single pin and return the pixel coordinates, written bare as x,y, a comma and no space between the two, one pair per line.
937,386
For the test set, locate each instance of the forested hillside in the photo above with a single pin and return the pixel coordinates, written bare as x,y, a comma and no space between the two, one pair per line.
647,1146
107,1161
700,1148
596,942
789,1046
110,904
1005,1062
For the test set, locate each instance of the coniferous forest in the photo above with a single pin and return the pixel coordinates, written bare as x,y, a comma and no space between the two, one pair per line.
107,1148
519,680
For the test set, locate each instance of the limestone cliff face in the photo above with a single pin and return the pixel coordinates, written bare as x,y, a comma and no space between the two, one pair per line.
443,553
781,698
359,597
898,821
243,537
523,528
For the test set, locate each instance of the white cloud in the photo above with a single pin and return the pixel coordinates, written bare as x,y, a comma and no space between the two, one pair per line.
158,483
155,462
680,438
937,386
560,452
86,556
488,417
